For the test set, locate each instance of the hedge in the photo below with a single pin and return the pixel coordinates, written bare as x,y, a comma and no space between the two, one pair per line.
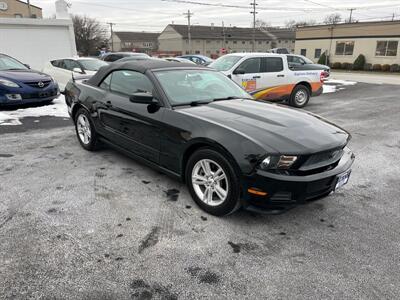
395,68
377,67
359,62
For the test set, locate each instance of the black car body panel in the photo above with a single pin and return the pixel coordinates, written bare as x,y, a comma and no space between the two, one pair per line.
245,130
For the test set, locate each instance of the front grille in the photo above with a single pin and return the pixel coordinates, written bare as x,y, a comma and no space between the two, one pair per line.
39,95
39,84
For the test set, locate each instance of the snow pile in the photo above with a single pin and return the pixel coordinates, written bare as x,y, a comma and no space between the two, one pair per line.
335,85
57,109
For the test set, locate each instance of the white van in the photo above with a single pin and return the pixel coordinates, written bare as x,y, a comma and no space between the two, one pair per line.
267,76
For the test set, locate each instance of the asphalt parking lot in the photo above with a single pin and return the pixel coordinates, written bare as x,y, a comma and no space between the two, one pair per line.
80,225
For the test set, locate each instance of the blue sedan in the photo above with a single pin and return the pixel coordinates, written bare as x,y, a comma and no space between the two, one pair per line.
19,84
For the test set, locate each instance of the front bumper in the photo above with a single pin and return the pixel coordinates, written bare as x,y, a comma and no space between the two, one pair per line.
286,191
30,95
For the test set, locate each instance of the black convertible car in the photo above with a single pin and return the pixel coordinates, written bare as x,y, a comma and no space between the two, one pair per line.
196,124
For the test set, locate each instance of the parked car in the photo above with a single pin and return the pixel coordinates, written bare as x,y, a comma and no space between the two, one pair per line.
198,59
198,126
19,84
114,56
267,76
300,62
179,59
135,58
63,69
279,51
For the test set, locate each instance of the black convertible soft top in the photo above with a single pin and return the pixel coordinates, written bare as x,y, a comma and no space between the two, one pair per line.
139,66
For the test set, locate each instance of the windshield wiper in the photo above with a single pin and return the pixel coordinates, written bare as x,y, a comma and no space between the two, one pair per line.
193,103
231,98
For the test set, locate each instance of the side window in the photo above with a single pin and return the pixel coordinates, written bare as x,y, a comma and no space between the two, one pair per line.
55,63
130,82
71,64
105,84
110,57
251,65
290,59
272,64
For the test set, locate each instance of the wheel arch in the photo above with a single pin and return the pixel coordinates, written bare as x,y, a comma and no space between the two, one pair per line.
206,143
306,84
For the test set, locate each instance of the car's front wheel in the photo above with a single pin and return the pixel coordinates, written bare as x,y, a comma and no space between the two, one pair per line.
212,182
85,130
300,96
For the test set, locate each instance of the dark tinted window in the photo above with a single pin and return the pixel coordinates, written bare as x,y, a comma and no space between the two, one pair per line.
112,57
251,65
129,82
272,64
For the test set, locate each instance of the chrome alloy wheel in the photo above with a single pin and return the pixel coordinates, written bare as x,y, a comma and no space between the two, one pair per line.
83,127
210,182
300,97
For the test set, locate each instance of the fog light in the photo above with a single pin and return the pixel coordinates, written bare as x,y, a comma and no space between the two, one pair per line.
257,192
13,96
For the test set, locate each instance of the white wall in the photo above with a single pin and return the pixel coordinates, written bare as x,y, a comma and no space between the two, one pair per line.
36,41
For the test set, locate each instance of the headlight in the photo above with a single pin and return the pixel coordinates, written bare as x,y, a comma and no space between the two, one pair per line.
277,162
8,83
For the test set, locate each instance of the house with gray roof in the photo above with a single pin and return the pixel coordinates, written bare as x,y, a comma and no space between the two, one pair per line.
145,42
212,40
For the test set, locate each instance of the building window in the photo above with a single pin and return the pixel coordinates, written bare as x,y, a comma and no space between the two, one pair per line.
187,52
243,42
197,52
279,41
208,42
317,53
208,51
235,42
286,41
259,42
344,48
386,48
267,42
303,52
18,15
34,16
198,41
293,42
226,42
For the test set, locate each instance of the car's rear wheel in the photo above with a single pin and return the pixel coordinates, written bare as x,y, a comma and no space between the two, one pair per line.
212,182
300,96
85,131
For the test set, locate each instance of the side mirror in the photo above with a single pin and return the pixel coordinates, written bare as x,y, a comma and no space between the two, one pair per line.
28,66
143,98
239,71
78,70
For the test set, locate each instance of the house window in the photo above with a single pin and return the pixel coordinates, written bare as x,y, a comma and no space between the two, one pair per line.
386,48
279,41
226,42
235,42
317,53
303,52
267,42
243,42
197,52
344,48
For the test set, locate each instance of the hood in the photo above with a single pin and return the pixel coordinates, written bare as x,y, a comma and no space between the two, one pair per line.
24,75
276,128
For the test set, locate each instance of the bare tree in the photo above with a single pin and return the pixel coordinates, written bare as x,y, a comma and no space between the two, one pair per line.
333,19
262,24
290,23
89,35
306,23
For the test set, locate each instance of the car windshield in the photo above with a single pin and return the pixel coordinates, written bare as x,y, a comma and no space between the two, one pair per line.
190,87
307,60
224,63
92,64
8,63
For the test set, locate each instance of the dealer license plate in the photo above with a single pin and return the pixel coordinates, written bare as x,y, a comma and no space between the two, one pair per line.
342,179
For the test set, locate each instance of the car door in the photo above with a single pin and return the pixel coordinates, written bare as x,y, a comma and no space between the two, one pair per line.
133,126
60,73
248,74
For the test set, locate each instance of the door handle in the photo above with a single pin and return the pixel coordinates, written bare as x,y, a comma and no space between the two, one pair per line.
255,77
280,75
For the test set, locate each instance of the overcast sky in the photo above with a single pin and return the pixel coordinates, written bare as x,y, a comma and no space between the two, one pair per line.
154,15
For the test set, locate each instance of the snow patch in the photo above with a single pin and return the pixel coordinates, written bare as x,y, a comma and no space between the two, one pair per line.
57,109
340,82
329,89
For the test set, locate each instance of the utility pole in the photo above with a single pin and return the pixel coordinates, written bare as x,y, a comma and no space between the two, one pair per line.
29,9
393,16
254,13
188,15
223,35
351,14
112,35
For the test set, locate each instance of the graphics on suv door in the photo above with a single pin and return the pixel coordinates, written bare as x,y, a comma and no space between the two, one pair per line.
250,74
134,122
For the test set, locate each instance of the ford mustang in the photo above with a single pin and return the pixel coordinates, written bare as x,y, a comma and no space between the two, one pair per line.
19,84
197,125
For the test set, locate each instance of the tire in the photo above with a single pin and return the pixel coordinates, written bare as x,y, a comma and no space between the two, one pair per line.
200,188
300,96
85,130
